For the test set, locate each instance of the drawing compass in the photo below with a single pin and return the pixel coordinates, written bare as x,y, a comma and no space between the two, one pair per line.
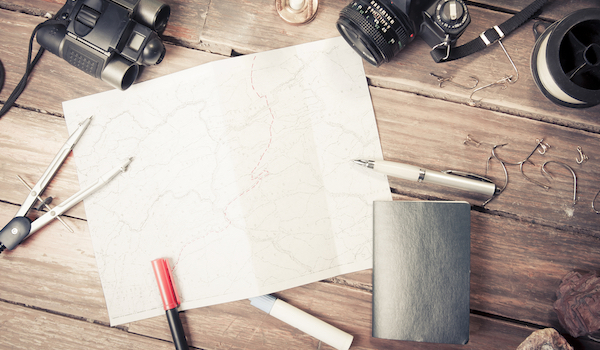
21,227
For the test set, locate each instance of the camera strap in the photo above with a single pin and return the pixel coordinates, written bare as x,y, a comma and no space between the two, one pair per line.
28,68
2,75
488,37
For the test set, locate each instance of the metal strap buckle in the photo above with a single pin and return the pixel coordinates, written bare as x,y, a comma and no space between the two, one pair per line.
487,41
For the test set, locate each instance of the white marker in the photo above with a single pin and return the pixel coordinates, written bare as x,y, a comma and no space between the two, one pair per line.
307,323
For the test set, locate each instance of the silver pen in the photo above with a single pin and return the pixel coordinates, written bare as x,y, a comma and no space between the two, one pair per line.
461,181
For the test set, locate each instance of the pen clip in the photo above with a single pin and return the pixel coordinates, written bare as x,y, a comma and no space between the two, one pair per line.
468,175
166,285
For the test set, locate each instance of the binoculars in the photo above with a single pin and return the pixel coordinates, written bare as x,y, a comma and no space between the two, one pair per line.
108,39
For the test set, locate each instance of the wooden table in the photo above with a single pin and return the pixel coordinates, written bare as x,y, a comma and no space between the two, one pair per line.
523,242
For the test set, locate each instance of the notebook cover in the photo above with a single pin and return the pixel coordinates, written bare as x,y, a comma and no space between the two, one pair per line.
421,268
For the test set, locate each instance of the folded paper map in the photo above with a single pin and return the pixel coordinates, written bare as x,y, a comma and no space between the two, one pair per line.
242,177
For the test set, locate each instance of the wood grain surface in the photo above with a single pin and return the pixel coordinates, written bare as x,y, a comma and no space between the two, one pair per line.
523,242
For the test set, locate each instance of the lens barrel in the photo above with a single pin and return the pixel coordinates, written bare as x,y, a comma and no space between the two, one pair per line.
153,13
120,72
376,29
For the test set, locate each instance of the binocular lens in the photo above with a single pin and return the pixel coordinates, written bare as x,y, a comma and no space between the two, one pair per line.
162,17
120,73
153,13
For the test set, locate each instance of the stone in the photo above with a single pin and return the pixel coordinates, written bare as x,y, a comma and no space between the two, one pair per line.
545,339
578,303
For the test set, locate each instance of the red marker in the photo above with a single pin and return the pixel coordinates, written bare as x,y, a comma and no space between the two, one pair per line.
170,299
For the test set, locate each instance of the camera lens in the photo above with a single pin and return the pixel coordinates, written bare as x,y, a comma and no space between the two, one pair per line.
376,29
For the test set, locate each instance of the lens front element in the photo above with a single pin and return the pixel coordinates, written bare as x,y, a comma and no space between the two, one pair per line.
376,29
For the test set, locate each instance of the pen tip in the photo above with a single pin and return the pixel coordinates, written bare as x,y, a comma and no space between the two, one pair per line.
126,164
361,162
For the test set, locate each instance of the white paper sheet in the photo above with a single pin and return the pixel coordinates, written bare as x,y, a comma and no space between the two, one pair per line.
242,177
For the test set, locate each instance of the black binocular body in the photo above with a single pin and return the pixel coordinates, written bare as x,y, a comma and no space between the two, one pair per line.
108,39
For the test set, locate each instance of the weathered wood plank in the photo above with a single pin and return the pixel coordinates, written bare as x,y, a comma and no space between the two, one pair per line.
53,270
53,256
498,285
430,133
33,7
409,71
507,279
529,261
493,129
67,290
516,267
232,326
56,271
28,143
25,328
186,20
241,326
254,26
521,248
434,134
185,23
188,16
553,10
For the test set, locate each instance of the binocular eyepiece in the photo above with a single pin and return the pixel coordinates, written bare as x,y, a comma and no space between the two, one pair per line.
108,39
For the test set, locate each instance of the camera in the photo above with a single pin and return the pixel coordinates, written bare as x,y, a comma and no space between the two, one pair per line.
379,29
108,39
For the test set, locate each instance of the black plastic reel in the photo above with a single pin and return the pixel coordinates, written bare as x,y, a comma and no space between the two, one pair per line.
565,62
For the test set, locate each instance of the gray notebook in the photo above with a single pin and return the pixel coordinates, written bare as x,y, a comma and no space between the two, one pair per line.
421,268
